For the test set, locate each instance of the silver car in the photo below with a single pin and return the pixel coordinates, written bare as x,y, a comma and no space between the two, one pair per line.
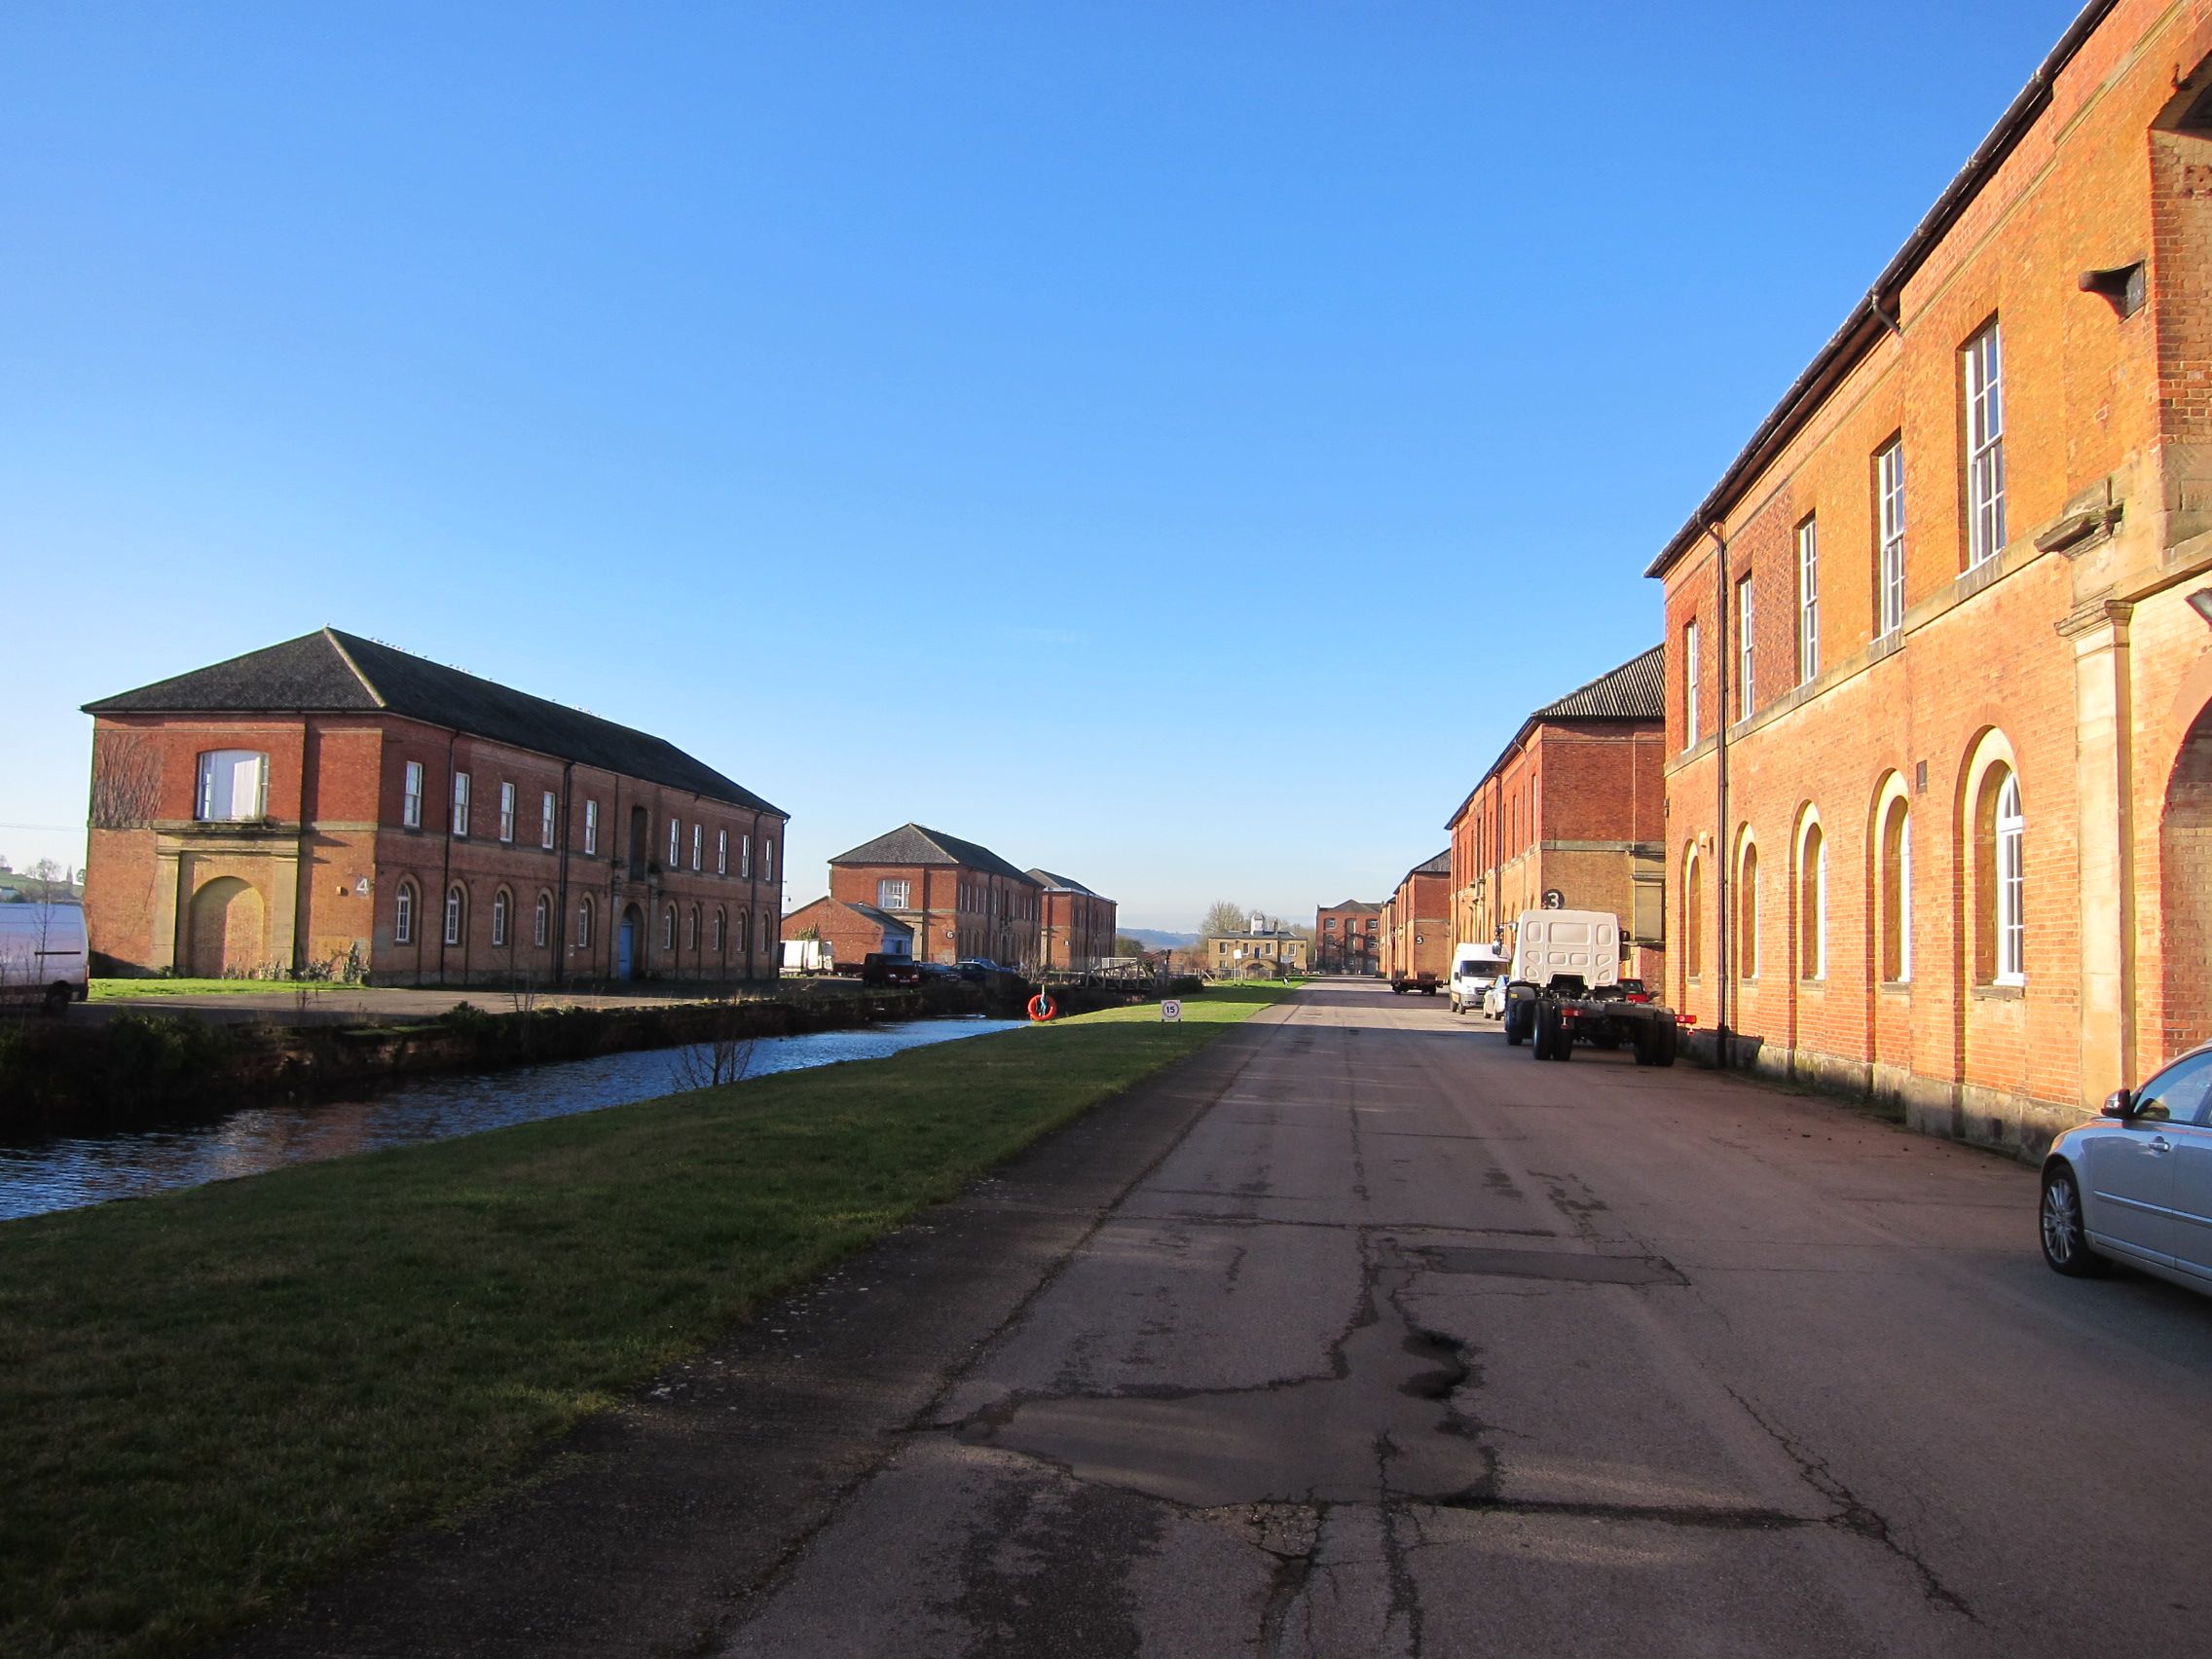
2136,1184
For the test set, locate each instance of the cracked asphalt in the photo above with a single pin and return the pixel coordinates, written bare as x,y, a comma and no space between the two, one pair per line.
1408,1344
1361,1333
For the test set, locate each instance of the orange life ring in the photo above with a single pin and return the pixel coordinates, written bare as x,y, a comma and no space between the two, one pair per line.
1043,1006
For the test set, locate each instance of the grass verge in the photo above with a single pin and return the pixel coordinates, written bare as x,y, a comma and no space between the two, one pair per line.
213,1397
132,990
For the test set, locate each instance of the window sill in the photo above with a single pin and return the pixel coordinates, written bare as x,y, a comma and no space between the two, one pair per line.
1896,987
2001,993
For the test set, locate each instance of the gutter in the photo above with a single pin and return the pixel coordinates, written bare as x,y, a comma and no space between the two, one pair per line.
1869,320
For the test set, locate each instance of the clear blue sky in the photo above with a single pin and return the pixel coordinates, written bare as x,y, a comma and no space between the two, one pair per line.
1171,443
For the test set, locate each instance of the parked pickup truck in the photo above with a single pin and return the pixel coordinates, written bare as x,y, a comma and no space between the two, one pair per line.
1566,989
1423,981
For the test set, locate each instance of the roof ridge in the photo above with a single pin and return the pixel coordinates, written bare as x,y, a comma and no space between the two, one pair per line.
338,644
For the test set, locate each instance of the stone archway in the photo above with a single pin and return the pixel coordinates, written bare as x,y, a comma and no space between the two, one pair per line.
227,939
2185,863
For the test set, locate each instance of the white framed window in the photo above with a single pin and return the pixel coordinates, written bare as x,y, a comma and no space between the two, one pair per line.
411,795
1745,661
668,929
1900,912
499,917
722,859
2012,887
1985,446
1813,905
506,812
234,787
454,916
1691,670
547,824
1808,600
583,924
720,931
891,894
1889,503
744,857
675,844
591,826
767,858
403,915
541,921
691,929
460,803
698,840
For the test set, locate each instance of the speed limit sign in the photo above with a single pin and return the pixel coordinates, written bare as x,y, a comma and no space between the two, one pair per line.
1172,1010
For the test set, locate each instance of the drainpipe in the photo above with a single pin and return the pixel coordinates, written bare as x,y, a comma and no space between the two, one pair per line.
1723,935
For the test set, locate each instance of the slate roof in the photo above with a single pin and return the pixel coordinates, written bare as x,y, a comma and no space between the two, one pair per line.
1440,865
1359,905
881,918
1632,691
1061,883
329,672
912,845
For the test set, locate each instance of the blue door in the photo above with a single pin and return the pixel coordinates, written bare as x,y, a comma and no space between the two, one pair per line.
626,949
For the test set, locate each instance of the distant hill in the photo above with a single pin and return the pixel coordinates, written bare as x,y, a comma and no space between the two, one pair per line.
1152,939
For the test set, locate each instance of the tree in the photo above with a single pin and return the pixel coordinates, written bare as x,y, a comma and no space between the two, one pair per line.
1124,946
1224,916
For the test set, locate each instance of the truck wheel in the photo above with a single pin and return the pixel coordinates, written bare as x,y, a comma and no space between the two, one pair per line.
1563,1044
1547,1032
1642,1041
58,998
1666,1043
1514,1035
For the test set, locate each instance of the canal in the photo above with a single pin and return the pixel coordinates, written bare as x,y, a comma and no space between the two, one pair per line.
69,1171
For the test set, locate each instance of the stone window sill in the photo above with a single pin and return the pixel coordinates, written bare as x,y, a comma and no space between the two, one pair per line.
2001,993
1896,987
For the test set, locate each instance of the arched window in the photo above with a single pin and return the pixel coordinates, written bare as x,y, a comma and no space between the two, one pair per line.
2011,934
668,928
455,915
403,915
743,935
1748,916
1897,892
1813,904
721,930
691,929
541,922
583,924
499,917
1693,918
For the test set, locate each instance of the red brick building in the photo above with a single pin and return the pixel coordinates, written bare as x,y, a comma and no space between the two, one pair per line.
851,931
1078,925
962,900
1416,923
1347,937
1940,679
1574,806
332,802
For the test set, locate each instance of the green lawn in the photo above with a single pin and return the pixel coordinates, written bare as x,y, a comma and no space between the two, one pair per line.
210,1398
109,990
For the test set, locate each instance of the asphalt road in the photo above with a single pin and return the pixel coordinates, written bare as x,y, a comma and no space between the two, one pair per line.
1405,1343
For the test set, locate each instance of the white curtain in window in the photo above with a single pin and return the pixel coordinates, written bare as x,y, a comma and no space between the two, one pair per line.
232,784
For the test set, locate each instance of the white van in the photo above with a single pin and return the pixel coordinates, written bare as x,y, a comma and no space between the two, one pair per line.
42,952
1582,942
1475,968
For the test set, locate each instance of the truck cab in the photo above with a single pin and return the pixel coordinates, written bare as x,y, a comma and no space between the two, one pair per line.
1580,944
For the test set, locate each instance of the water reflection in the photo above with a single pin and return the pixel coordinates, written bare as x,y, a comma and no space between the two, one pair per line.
65,1172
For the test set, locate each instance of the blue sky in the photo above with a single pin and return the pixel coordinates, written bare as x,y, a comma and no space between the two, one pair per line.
1171,443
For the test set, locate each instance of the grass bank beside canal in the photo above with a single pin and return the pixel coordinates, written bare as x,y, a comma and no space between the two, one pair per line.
210,1398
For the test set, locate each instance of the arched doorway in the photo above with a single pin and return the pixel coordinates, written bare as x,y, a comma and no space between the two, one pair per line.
629,937
2185,860
226,930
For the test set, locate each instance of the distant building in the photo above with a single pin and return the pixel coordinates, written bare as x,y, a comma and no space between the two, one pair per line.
851,931
331,801
1573,807
1347,937
961,898
1417,922
1078,931
1261,953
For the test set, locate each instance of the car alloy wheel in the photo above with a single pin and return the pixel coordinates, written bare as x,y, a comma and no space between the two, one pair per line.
2065,1242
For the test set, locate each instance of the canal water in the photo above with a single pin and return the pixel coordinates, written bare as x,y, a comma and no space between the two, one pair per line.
68,1172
